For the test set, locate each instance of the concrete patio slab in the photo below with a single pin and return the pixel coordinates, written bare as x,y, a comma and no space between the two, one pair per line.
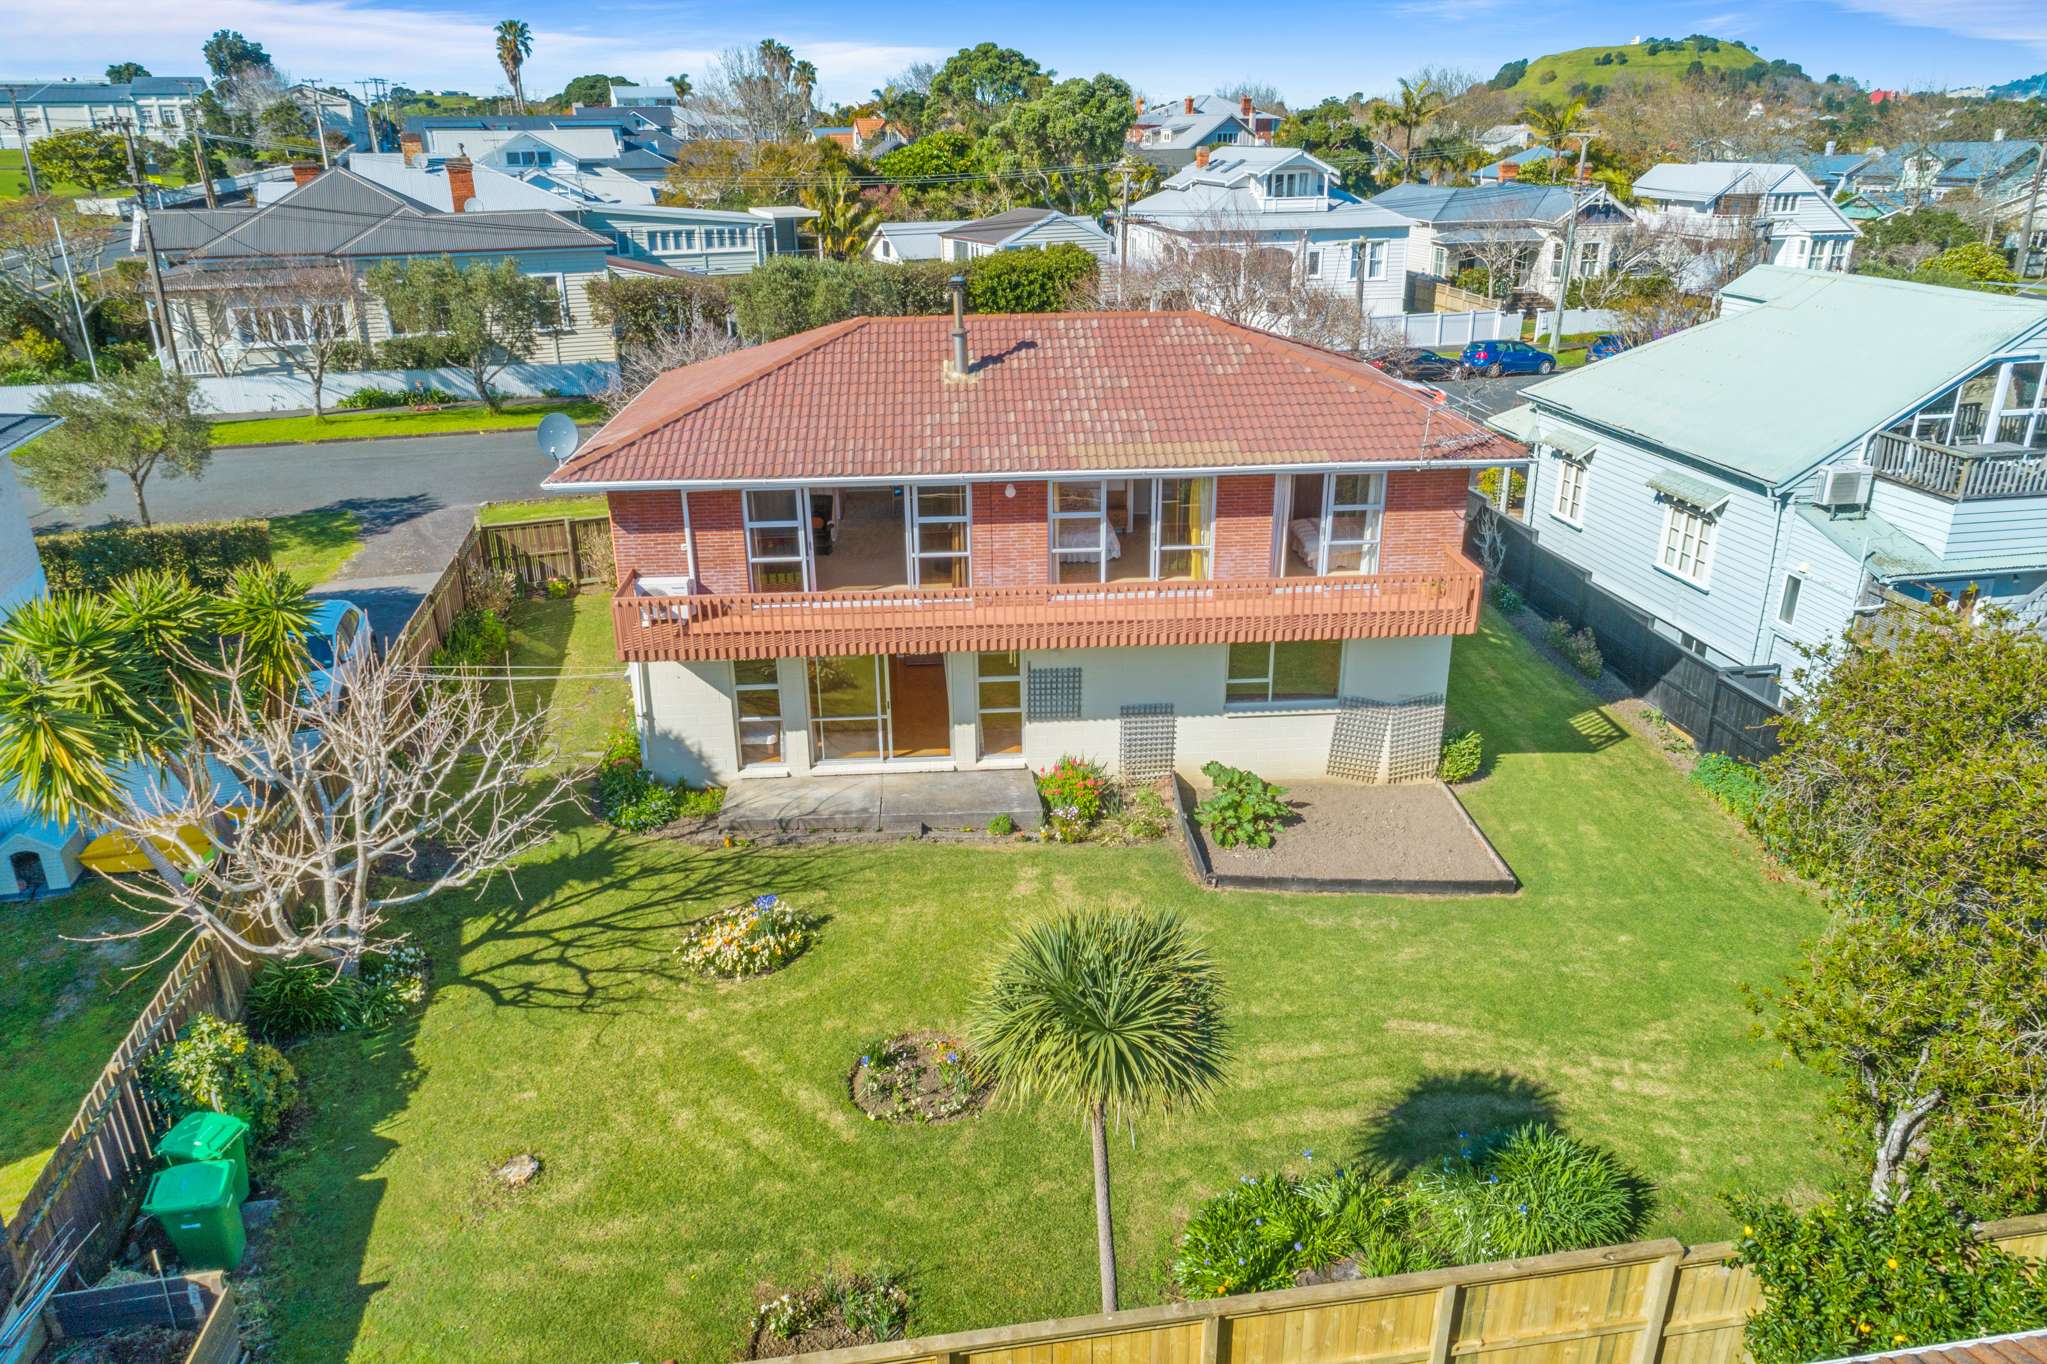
916,801
803,805
894,802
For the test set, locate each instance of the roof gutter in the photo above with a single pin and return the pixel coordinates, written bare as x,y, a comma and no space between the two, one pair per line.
1032,476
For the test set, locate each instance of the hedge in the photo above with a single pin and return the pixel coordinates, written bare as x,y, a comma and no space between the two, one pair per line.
207,553
789,294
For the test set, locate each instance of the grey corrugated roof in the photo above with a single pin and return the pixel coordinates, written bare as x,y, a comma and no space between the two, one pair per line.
1000,227
1960,162
1870,536
102,92
18,428
1512,202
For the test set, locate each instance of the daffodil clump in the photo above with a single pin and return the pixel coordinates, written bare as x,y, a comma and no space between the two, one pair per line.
760,936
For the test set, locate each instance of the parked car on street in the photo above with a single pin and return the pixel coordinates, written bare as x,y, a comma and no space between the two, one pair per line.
1411,363
337,641
1495,358
1604,347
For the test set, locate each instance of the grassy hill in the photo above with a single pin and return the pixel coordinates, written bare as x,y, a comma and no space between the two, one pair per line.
1552,76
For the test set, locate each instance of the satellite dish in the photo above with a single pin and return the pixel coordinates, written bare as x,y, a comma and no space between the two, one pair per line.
558,436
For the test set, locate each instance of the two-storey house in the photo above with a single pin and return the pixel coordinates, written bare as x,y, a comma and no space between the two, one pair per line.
1515,231
160,107
1773,206
1278,199
925,544
1168,132
1828,442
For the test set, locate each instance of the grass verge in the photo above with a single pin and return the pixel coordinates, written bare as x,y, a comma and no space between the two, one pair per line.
312,546
391,422
535,508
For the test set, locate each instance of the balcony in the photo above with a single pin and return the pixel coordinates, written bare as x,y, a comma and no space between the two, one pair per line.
1959,473
662,620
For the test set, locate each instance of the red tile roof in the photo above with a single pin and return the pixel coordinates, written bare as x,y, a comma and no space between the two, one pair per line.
2027,1347
868,398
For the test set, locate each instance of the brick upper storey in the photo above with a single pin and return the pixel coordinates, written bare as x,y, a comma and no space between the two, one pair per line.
870,399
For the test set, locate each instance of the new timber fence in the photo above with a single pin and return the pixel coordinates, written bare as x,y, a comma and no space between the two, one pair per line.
1725,710
1652,1302
576,548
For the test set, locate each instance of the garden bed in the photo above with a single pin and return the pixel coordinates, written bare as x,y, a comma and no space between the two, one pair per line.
921,1077
1345,837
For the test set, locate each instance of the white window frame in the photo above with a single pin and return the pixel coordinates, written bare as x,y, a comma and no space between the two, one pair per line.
1685,550
1312,262
2033,418
1375,259
741,720
1788,594
1159,548
801,525
1569,504
1075,552
564,315
914,522
883,721
1373,510
1231,679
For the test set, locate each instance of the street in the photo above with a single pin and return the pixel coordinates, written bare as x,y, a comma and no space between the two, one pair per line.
414,499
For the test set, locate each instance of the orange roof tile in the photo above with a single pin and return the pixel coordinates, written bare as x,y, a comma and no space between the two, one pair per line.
1050,392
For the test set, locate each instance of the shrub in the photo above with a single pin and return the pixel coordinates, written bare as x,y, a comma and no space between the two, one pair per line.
1243,808
365,399
1463,754
1002,826
490,589
475,638
1265,1232
205,553
560,589
1735,784
300,999
760,936
1030,281
1849,1277
632,799
213,1064
1532,1192
839,1309
1505,597
1140,816
390,985
1073,790
1580,648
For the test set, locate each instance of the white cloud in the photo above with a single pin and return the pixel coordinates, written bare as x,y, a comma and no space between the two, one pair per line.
2010,21
345,40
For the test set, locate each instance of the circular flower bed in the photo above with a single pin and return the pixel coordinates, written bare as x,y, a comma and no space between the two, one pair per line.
832,1312
752,939
917,1077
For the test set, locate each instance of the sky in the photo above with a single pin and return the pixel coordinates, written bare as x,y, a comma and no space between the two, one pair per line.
1304,50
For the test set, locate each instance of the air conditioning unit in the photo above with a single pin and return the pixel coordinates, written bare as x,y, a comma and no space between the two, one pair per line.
1845,486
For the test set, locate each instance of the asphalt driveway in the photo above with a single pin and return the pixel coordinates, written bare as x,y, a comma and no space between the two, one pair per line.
414,498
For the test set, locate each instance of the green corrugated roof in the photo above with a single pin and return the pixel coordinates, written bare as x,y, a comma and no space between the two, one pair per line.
1821,360
1890,550
1522,423
1690,489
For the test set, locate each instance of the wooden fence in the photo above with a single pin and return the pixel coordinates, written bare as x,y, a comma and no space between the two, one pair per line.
428,625
1653,1302
577,548
1725,710
94,1178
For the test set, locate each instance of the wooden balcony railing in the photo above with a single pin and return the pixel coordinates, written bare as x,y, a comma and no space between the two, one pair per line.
905,620
1959,473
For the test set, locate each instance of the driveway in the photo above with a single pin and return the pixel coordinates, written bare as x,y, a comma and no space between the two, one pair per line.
414,498
1479,397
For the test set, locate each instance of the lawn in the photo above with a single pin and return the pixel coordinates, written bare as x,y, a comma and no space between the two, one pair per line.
536,508
312,546
391,422
572,637
63,1007
699,1143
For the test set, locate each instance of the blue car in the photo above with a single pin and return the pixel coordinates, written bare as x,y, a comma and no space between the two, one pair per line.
1495,358
1604,347
336,643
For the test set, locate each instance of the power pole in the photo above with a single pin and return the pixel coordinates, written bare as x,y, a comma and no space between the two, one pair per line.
1122,231
77,301
163,306
205,171
2032,208
21,139
1564,271
313,98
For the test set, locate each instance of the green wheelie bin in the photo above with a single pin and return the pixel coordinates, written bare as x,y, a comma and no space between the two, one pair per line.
206,1135
198,1208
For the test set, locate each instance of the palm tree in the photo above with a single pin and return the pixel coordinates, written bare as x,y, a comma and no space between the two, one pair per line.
264,616
73,707
844,218
1419,101
804,74
681,86
515,45
776,58
1111,1014
1555,124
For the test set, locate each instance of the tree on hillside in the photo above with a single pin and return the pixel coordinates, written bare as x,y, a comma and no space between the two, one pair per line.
732,173
680,84
122,73
514,46
136,423
1555,124
490,316
1054,138
1418,102
977,84
1112,1015
591,90
86,157
228,52
1264,95
756,92
904,98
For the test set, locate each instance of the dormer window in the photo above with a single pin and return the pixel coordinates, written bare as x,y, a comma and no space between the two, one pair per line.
1295,184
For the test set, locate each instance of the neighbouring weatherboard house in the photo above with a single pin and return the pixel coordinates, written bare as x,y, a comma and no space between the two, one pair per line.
1796,222
164,107
1513,229
914,544
1170,132
1018,229
1828,444
1278,199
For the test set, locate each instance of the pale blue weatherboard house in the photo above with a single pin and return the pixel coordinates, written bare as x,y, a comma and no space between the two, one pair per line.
1826,442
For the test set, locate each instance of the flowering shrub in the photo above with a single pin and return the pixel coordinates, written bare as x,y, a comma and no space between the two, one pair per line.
1463,753
304,998
760,936
392,983
1073,790
839,1309
633,799
917,1077
1244,807
213,1064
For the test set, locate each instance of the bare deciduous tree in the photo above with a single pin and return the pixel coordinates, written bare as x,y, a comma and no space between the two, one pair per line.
349,808
298,315
1236,275
701,336
757,93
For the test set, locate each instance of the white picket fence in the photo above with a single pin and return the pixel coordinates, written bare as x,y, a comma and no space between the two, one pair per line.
241,394
1438,331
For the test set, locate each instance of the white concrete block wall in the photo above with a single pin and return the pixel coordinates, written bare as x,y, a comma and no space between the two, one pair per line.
687,728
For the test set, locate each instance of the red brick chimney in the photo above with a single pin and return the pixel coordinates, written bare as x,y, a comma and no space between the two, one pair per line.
1244,105
304,173
1201,156
461,183
1187,104
1509,171
1139,102
410,147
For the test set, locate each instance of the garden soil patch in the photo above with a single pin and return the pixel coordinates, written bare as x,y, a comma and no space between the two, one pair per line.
1341,831
139,1345
912,1081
